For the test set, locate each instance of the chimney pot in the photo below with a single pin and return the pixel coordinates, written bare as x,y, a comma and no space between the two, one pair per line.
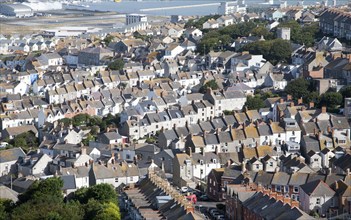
311,105
300,101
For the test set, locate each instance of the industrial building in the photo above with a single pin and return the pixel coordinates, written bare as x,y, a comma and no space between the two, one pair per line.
135,19
16,10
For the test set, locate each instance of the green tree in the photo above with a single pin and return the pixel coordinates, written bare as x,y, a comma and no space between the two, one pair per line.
346,92
108,39
50,186
212,84
302,35
66,121
197,23
109,211
312,97
26,140
262,31
280,51
89,138
5,208
298,88
273,50
254,102
44,200
20,142
81,119
101,193
116,65
331,99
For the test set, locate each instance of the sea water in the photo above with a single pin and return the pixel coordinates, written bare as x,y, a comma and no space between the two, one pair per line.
136,6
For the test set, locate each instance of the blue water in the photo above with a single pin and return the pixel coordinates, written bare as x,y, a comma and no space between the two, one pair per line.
134,6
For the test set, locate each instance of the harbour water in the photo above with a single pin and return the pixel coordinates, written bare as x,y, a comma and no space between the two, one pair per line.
136,6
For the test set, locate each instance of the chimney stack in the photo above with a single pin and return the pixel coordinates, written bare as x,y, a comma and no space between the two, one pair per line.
280,197
83,150
287,200
311,105
300,101
294,204
273,195
324,109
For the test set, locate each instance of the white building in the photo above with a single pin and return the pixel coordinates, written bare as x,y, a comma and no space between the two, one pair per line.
283,33
232,7
8,159
135,18
16,10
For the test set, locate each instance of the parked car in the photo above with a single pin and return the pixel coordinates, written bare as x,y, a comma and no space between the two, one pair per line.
184,189
213,211
215,214
220,217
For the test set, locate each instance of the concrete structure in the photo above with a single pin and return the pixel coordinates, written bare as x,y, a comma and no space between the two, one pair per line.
232,7
16,10
135,18
283,33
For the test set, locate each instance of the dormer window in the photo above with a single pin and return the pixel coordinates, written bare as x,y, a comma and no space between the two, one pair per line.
201,162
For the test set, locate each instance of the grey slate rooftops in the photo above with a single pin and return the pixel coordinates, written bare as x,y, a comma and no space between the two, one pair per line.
317,188
11,154
224,137
280,178
230,120
311,143
264,178
69,182
170,134
264,130
340,122
210,139
112,135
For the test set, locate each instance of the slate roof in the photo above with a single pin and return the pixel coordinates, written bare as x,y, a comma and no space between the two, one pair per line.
263,178
80,171
311,143
11,154
170,134
112,135
210,139
264,130
69,182
317,188
280,178
224,137
297,179
229,120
